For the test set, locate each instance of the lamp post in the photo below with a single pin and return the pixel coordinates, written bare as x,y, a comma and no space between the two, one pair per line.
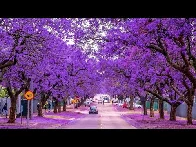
28,102
6,106
21,110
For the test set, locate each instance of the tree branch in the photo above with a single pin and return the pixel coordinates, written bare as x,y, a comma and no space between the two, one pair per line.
189,52
177,91
22,88
185,60
123,72
77,71
9,90
158,49
182,70
158,96
5,64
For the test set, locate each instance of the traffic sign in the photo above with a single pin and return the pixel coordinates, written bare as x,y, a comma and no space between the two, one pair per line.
29,95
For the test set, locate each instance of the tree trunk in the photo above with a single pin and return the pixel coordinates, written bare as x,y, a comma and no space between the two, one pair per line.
43,102
172,116
64,105
161,109
55,106
59,106
144,108
151,107
131,103
12,116
40,114
189,114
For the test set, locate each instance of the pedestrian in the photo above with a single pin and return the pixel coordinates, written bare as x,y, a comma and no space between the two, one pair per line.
103,101
49,106
45,107
4,110
38,106
76,104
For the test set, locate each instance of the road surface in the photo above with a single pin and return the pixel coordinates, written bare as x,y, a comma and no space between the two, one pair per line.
107,118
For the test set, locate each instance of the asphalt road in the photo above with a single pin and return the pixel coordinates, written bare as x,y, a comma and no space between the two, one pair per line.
107,118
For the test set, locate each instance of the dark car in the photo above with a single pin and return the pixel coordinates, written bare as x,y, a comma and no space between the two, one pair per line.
93,110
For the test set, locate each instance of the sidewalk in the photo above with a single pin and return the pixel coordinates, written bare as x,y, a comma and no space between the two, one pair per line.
50,120
136,118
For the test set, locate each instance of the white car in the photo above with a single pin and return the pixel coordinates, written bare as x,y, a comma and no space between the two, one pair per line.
120,104
115,100
106,100
137,105
87,103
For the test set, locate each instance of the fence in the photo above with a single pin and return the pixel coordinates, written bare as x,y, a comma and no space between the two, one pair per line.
182,110
156,105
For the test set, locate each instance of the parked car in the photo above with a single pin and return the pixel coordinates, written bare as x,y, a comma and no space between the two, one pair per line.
106,99
137,105
115,100
93,110
115,104
87,103
99,101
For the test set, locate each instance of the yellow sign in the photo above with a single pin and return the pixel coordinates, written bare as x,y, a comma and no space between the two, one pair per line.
29,95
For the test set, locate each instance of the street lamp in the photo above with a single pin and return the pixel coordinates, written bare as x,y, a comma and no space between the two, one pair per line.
21,109
6,105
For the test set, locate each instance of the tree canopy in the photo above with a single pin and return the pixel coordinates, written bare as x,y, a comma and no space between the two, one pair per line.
133,56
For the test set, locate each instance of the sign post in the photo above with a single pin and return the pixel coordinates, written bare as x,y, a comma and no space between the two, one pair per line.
29,96
143,100
28,114
21,109
6,108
